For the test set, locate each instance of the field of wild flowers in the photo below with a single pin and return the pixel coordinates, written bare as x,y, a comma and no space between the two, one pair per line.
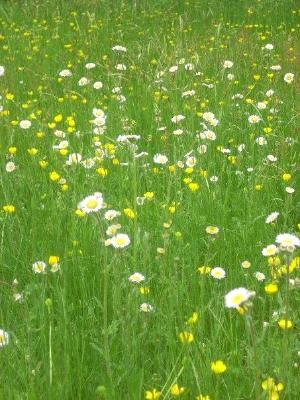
150,213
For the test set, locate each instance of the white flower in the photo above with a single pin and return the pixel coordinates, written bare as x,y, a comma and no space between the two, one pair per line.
83,81
237,297
61,145
241,147
136,278
271,158
178,132
145,307
25,124
160,159
74,159
99,121
269,93
261,105
177,118
113,229
4,338
218,273
275,68
97,112
10,166
91,203
208,134
269,46
246,264
254,119
227,64
98,85
270,250
287,240
88,163
189,67
39,267
173,69
260,276
119,48
214,179
116,90
120,240
65,73
121,67
188,93
289,190
191,161
111,214
261,141
272,217
59,134
90,65
230,77
210,118
2,70
289,77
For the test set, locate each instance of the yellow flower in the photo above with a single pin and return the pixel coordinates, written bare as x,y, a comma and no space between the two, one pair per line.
286,177
295,263
53,260
129,213
9,208
212,230
149,195
193,186
271,288
33,151
58,118
54,176
267,130
63,152
43,164
80,213
186,337
204,270
203,397
176,390
12,150
218,367
152,394
285,324
102,171
144,290
172,168
193,319
258,187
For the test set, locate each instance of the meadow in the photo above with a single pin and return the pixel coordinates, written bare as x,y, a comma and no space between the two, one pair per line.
149,205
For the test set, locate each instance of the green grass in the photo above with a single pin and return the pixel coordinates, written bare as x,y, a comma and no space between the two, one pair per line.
79,333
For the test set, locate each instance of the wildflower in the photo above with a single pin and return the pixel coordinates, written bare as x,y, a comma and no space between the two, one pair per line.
287,241
39,267
152,394
289,190
246,264
270,250
218,367
286,177
160,159
218,273
260,276
98,85
2,70
25,124
238,297
91,203
53,260
272,388
204,270
4,338
54,176
186,337
212,230
227,64
193,319
193,186
111,214
120,240
254,119
177,118
136,278
285,324
203,397
74,159
129,213
119,48
289,77
272,217
9,209
271,288
146,307
176,390
10,166
65,73
90,65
